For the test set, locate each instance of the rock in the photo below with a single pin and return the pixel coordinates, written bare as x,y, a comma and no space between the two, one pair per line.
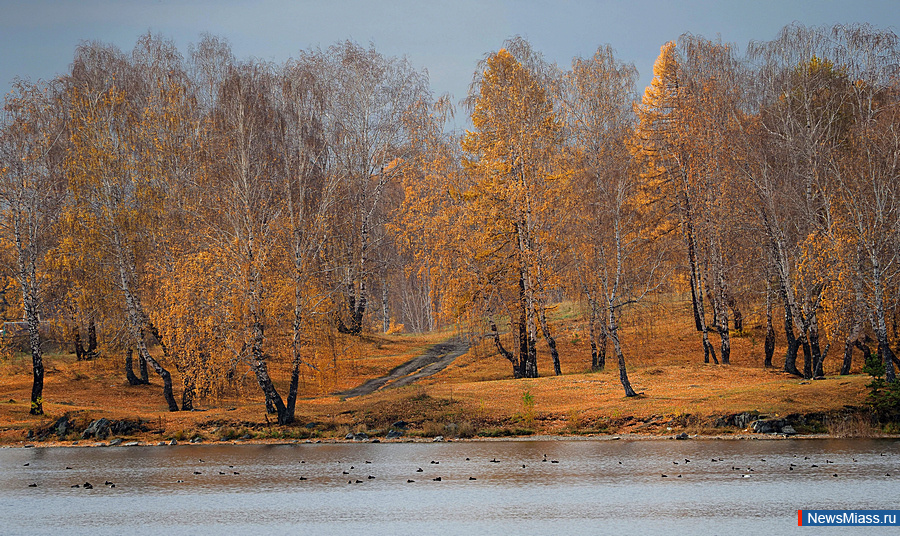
125,427
115,442
720,422
87,485
767,426
311,425
62,426
173,442
682,435
788,430
246,436
360,436
349,436
197,439
742,420
400,425
131,444
98,428
394,434
438,439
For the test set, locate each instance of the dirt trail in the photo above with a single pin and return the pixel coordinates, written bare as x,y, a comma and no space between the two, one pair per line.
434,360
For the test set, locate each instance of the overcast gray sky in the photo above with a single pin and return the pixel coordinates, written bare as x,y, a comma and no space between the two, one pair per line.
447,37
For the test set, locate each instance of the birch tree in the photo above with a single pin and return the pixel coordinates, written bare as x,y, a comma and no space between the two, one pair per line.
32,185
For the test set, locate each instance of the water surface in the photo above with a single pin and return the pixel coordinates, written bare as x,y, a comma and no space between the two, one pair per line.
492,487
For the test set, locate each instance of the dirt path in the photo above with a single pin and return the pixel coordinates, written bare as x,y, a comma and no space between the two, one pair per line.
434,360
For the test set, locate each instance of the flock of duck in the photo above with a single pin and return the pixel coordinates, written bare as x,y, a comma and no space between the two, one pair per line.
355,474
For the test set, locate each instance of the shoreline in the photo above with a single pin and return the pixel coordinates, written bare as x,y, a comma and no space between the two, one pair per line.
334,441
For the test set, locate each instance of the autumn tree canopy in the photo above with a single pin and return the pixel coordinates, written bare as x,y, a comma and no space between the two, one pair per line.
223,218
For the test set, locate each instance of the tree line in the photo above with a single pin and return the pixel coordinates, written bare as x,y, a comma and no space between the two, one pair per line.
232,213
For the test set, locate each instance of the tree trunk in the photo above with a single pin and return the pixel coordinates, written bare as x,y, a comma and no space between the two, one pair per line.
720,304
807,358
145,375
793,344
551,342
521,366
598,341
296,350
613,330
92,339
848,357
385,312
818,357
288,416
884,349
136,323
260,369
79,348
189,385
517,371
527,343
770,329
129,368
356,308
265,382
697,285
863,347
37,365
738,317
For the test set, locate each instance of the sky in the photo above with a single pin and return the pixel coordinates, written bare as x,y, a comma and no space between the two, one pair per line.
447,37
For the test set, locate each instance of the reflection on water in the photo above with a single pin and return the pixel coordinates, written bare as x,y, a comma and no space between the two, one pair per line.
511,487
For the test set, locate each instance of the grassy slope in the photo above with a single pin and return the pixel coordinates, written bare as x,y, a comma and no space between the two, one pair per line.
475,393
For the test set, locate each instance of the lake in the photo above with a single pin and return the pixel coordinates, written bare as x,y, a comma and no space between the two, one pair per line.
486,487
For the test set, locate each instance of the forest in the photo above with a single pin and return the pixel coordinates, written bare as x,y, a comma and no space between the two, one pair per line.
201,217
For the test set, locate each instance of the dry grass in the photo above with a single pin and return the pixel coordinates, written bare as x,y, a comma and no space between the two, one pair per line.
474,395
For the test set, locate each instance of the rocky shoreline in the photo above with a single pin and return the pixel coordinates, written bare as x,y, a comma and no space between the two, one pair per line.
70,431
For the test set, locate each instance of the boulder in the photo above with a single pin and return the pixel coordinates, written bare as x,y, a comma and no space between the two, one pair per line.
125,427
98,428
394,434
438,439
787,429
62,427
767,426
742,420
682,436
115,442
360,436
400,425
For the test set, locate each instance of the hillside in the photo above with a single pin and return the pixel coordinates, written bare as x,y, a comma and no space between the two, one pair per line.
474,396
